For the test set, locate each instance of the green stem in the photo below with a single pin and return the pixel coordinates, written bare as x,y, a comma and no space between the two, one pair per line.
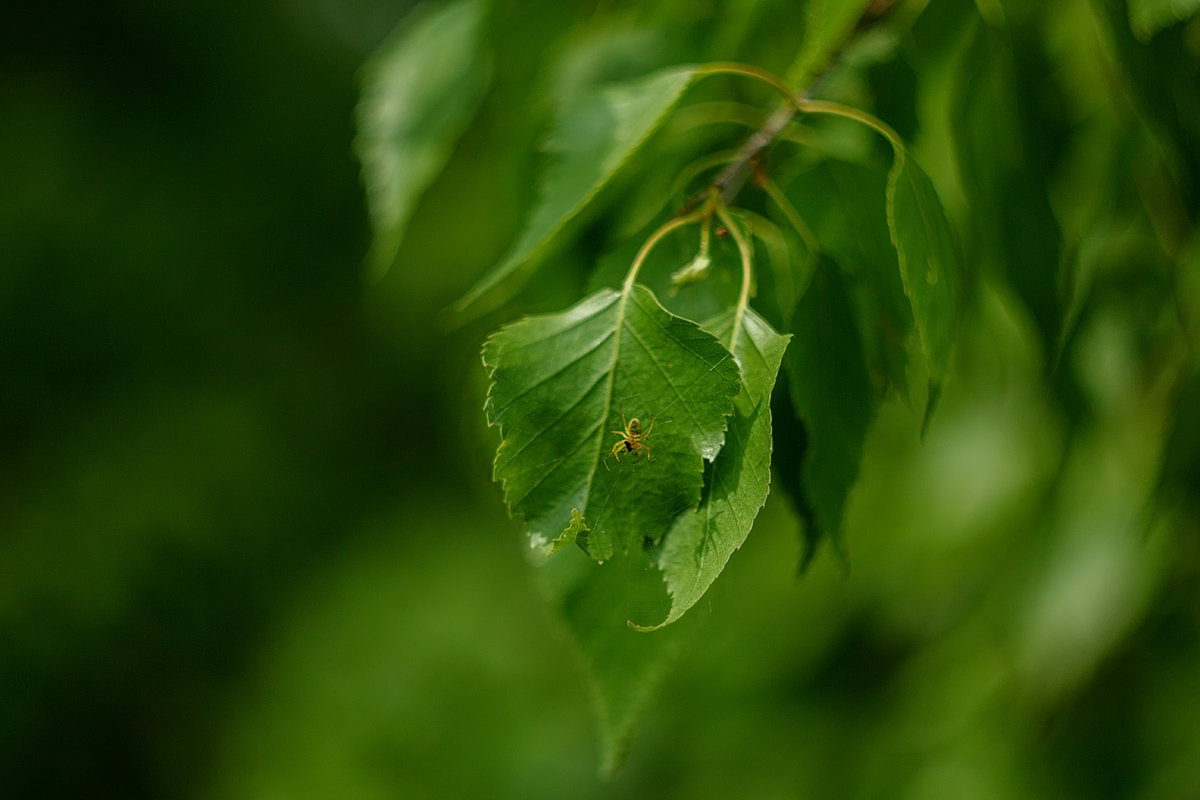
858,115
748,71
729,180
800,102
747,272
656,237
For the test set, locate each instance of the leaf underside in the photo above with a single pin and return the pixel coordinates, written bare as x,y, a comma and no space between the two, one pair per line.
596,134
831,392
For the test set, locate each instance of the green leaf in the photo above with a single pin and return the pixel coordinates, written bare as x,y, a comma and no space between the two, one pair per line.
626,667
596,135
718,290
832,395
845,205
1016,231
1148,17
828,23
736,484
561,383
929,264
420,90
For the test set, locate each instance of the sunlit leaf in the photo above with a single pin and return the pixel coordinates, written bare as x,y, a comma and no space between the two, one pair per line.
562,383
736,484
420,91
596,135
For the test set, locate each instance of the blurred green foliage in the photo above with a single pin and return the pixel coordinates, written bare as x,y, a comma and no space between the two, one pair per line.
248,542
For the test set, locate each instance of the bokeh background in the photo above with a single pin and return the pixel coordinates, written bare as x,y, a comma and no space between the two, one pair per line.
248,543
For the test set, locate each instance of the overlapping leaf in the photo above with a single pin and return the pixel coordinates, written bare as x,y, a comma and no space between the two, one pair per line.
1016,233
562,382
832,395
701,541
597,133
626,667
845,205
929,262
419,93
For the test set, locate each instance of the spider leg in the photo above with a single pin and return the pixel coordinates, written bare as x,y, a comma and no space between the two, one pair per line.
615,450
647,431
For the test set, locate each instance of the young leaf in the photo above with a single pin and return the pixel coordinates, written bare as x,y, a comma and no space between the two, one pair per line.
420,91
596,135
929,263
563,383
832,394
701,541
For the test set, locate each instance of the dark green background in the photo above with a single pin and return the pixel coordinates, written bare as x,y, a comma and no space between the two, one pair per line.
248,546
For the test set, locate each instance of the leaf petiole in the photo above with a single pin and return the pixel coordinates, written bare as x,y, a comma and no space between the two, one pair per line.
743,247
667,227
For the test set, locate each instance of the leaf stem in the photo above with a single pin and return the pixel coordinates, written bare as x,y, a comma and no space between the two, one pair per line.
667,227
749,71
729,181
856,114
743,247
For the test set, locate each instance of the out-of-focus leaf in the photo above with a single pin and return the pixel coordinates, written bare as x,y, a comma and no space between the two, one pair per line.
596,135
1015,231
827,23
929,262
1162,76
701,541
1148,17
626,666
420,91
845,205
701,300
832,395
561,383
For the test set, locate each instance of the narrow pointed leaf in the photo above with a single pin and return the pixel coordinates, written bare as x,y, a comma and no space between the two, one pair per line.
832,395
420,91
845,204
929,262
562,383
597,133
701,541
1016,232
